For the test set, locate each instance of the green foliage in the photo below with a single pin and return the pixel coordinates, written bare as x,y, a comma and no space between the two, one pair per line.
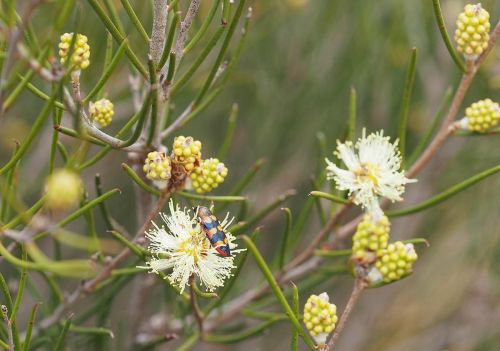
171,68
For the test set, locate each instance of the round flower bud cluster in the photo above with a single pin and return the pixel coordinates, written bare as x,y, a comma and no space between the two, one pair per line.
209,175
80,51
63,190
396,262
157,168
320,317
370,239
101,112
186,153
481,116
472,33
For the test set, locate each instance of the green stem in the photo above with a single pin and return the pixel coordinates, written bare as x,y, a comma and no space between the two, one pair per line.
405,103
277,291
351,125
446,38
330,197
286,236
228,136
118,36
135,20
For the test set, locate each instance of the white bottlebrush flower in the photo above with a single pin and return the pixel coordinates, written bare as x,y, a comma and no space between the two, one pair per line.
373,170
183,246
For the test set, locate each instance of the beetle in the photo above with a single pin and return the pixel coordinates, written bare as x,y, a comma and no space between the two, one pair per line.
213,230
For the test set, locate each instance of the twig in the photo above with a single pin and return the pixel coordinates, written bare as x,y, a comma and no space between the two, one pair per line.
462,89
198,315
359,286
185,25
158,32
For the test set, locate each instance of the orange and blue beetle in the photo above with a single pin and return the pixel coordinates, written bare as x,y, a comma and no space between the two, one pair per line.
213,230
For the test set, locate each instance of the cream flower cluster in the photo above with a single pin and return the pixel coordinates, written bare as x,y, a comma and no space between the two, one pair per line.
182,247
373,171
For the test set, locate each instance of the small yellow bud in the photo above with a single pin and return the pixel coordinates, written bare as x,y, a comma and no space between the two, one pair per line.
370,238
63,190
481,116
209,175
472,33
320,317
396,262
157,168
101,112
186,153
80,51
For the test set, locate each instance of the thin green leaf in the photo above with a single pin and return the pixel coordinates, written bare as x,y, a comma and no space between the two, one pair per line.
135,20
139,181
405,103
222,52
169,41
106,74
102,206
211,197
24,216
136,250
445,194
446,38
91,331
29,329
241,227
61,339
286,237
37,125
228,136
295,305
204,26
330,197
277,291
190,342
351,124
118,36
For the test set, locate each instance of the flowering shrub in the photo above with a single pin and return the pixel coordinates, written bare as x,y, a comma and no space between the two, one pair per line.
192,273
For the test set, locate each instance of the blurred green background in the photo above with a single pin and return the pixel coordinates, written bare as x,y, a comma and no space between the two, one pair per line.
301,59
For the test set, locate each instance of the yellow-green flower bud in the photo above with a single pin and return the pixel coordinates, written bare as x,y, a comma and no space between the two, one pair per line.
472,33
186,152
80,52
481,116
370,239
396,263
208,176
157,168
63,190
101,112
320,317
